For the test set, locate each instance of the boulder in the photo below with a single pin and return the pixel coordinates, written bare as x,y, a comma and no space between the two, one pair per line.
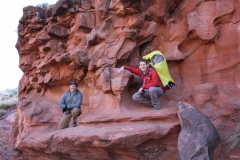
198,138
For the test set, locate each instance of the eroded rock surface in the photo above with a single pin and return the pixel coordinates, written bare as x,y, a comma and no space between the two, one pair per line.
87,41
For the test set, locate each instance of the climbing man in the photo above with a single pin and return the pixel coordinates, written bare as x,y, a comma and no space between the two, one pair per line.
71,105
152,87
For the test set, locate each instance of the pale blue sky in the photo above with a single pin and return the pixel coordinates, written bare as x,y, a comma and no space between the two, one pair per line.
11,12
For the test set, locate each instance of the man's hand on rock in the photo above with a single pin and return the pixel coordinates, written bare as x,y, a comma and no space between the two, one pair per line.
120,69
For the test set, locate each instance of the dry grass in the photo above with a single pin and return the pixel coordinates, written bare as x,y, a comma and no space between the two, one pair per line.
234,141
152,153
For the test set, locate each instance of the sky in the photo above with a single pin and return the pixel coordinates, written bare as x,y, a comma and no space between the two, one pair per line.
11,12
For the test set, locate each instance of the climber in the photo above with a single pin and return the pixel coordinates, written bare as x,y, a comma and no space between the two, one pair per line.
152,87
71,105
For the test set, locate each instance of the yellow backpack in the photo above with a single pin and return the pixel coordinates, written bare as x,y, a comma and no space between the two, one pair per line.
159,63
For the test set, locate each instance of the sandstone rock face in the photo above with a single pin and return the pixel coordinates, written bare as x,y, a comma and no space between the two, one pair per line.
198,138
88,40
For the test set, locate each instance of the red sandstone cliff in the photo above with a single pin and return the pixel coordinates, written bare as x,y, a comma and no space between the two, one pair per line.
87,40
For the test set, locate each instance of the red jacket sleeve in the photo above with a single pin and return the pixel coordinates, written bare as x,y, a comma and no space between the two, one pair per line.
155,81
133,70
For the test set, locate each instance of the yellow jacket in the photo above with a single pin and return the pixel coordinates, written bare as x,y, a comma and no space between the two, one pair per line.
159,63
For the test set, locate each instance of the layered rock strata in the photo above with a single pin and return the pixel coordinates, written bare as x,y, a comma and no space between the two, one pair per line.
87,41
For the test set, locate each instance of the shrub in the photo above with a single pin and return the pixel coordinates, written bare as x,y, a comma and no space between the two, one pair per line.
8,98
6,104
